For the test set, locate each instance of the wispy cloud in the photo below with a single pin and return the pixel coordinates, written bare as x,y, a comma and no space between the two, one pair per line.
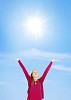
36,53
2,83
44,54
62,68
8,83
65,58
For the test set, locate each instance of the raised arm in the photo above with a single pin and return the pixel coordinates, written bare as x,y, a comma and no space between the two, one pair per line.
24,69
46,70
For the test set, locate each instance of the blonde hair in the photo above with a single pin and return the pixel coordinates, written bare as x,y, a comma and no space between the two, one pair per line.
32,73
32,78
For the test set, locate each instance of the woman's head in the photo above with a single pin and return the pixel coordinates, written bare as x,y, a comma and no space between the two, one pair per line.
34,75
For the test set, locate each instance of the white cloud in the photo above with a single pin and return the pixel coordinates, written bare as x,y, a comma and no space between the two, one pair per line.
2,83
6,83
62,68
65,58
42,55
36,53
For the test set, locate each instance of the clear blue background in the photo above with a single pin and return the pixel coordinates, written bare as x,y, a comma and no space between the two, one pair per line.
55,43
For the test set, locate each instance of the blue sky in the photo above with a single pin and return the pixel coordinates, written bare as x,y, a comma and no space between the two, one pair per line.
35,53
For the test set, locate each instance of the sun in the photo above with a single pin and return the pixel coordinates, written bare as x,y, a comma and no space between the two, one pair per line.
34,26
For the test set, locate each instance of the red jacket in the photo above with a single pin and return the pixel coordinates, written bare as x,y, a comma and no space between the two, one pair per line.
40,81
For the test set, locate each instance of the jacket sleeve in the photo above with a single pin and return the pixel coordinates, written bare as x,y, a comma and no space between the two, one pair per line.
45,72
24,70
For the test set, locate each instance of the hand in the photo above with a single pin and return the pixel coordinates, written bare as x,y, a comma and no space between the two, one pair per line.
55,60
16,58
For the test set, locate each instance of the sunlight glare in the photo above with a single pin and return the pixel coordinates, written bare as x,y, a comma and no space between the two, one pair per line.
34,26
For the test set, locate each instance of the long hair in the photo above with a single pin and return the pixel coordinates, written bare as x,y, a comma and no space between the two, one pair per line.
32,78
31,75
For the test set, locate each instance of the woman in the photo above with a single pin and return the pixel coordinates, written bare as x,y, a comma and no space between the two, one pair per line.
35,84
